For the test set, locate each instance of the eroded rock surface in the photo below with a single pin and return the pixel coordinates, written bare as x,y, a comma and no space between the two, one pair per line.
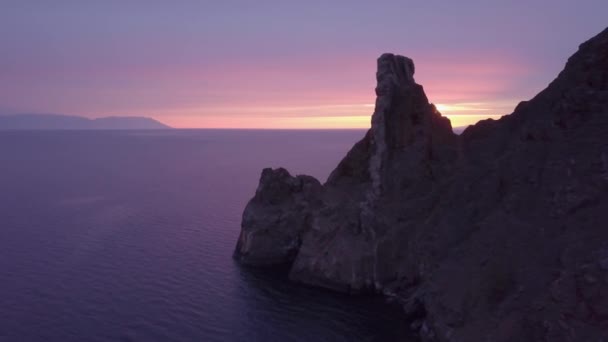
499,234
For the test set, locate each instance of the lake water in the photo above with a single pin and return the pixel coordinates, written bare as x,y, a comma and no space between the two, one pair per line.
128,236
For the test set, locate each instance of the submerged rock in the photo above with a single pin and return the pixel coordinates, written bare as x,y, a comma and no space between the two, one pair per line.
491,235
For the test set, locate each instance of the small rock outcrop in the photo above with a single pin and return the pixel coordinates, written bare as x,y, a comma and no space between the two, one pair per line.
276,218
499,234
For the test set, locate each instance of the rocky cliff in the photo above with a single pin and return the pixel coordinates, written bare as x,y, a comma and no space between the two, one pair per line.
499,234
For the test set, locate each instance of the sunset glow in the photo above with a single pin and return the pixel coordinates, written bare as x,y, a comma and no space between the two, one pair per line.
330,116
304,122
205,65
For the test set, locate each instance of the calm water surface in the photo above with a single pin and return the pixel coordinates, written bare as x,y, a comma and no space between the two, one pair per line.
128,236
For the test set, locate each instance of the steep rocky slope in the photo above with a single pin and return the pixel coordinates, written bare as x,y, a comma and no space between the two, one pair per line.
499,234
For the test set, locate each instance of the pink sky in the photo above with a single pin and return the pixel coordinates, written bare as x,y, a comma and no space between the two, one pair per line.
279,65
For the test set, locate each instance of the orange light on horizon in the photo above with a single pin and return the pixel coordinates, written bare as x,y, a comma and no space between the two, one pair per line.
269,122
326,116
305,122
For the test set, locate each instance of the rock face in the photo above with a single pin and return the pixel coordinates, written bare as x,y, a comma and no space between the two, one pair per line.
276,218
499,234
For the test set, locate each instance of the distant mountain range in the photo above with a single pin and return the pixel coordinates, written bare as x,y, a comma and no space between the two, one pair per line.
71,122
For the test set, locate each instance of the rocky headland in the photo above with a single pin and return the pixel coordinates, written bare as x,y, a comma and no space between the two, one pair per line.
497,234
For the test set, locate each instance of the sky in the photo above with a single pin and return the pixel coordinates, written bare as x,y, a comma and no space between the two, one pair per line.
280,64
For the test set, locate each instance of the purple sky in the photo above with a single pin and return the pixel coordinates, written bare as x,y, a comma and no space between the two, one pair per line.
279,63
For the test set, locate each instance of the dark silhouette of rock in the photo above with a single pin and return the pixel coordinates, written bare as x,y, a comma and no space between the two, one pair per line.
276,218
499,234
70,122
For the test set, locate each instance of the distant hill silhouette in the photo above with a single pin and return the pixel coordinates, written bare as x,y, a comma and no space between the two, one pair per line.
459,130
70,122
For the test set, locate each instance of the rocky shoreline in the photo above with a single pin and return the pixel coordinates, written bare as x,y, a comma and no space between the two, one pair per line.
497,234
